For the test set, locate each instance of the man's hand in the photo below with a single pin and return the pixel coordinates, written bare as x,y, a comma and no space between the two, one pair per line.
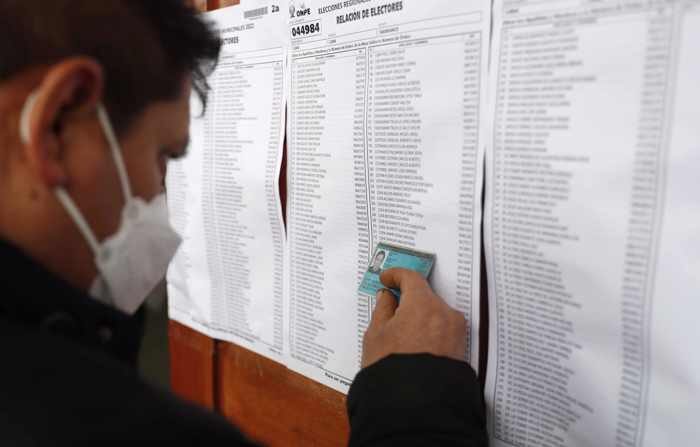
421,323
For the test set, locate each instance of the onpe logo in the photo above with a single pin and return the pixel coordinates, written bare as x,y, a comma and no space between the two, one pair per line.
302,11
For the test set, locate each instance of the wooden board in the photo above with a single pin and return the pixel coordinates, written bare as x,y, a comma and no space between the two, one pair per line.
191,364
275,405
216,4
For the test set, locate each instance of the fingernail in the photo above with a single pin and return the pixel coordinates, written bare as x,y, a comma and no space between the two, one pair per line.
386,290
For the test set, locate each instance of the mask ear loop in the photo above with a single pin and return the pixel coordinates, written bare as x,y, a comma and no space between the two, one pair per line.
24,131
116,152
79,220
61,194
24,122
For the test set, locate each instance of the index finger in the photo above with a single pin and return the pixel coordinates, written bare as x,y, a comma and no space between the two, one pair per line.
403,279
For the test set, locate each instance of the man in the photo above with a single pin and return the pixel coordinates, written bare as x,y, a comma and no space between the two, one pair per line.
377,261
94,98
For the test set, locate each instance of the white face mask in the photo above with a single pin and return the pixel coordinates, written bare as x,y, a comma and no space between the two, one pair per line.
133,260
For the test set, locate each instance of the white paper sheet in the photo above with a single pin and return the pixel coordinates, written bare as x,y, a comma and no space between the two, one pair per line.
384,137
592,224
227,278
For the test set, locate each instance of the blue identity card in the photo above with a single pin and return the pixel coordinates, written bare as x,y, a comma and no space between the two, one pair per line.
388,256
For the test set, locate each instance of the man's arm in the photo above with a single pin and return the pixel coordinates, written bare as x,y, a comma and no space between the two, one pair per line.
415,388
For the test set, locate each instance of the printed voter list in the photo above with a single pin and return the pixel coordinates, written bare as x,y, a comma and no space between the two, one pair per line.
591,224
385,136
227,278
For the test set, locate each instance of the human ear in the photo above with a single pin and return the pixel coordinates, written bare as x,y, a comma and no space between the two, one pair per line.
75,84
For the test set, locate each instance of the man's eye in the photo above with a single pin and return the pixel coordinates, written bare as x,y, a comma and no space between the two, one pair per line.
177,155
168,154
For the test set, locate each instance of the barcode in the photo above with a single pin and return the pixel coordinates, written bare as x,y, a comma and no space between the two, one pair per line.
255,12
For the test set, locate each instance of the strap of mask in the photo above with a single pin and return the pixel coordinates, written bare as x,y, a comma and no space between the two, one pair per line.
24,122
24,130
78,218
116,153
61,194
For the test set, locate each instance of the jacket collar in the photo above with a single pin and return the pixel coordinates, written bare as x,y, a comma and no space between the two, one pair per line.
32,296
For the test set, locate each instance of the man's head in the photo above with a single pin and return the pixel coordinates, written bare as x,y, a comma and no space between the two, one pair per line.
378,260
141,59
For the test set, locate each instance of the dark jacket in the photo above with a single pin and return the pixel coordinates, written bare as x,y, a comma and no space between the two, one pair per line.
67,377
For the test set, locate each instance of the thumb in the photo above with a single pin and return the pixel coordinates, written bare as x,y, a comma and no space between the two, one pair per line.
385,308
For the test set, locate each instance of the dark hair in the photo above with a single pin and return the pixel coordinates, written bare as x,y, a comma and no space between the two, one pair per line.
146,47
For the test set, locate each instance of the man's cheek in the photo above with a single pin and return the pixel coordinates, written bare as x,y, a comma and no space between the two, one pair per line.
157,180
146,179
